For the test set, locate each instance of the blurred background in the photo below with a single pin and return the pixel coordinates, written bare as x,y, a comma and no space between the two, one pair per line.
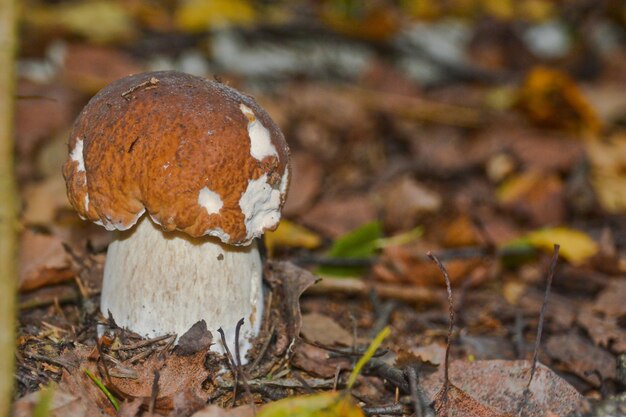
484,129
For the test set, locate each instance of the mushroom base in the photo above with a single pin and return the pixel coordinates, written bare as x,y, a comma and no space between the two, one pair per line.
157,283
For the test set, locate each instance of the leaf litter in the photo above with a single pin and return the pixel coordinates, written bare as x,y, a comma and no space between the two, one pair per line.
463,164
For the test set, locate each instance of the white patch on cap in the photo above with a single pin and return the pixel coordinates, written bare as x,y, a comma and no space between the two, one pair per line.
210,200
261,145
111,224
86,202
218,233
260,205
284,181
77,155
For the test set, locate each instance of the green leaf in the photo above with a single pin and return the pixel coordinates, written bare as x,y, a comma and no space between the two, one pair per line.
42,408
360,243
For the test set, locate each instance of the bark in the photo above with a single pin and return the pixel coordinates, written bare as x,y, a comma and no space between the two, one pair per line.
8,205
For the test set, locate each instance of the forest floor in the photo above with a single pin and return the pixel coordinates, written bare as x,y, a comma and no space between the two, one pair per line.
454,132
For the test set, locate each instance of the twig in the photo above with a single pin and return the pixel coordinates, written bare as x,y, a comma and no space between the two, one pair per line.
231,363
266,345
392,409
143,343
314,383
155,391
242,375
542,313
8,203
54,361
446,382
415,397
146,85
361,288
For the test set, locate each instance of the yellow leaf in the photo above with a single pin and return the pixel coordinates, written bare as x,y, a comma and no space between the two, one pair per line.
608,171
326,404
291,235
576,246
200,15
551,98
99,21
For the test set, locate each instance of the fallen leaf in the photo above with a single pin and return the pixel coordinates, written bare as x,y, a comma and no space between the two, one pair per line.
306,177
323,329
535,195
576,246
99,21
551,98
359,243
579,356
202,15
408,264
338,216
317,361
456,402
604,331
42,261
326,404
375,22
610,301
88,68
198,338
61,403
404,201
499,385
608,167
287,282
181,377
43,201
291,235
215,411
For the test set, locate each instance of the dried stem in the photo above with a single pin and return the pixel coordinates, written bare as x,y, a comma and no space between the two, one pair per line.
8,204
443,270
533,367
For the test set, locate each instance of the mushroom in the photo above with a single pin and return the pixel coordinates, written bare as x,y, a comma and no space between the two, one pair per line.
210,168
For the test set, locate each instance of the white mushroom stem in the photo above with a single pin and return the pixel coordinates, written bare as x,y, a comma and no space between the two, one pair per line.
158,283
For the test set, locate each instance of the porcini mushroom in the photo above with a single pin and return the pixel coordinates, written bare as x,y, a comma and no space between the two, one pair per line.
210,168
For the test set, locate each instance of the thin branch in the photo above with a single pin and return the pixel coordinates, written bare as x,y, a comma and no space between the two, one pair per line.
8,204
533,367
446,277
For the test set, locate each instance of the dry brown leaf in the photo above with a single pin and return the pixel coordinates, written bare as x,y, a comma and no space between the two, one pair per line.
88,68
316,361
42,261
306,180
404,201
610,301
454,401
323,329
579,356
499,385
407,264
62,404
288,282
41,112
535,195
604,331
336,217
608,164
43,200
534,149
180,381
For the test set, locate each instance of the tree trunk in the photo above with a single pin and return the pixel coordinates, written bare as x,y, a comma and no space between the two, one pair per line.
8,205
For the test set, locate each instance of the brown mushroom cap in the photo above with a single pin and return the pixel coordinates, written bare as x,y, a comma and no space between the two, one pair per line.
199,156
